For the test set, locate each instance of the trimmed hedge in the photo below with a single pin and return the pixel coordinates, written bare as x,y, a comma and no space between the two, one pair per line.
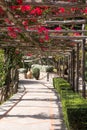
74,106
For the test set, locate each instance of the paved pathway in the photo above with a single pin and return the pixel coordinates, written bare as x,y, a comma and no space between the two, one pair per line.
35,108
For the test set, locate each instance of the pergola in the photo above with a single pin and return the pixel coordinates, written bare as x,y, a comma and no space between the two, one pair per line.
61,23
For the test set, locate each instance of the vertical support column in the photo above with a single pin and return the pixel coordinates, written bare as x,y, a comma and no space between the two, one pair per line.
69,69
57,66
8,70
73,69
63,65
9,53
59,69
83,66
83,69
77,68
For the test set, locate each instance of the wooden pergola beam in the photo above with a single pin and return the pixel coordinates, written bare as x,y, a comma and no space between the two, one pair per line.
53,17
68,37
59,31
53,22
63,16
55,4
66,22
49,31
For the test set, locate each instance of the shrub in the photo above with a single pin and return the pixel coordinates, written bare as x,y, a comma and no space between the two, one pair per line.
58,81
49,69
36,73
74,106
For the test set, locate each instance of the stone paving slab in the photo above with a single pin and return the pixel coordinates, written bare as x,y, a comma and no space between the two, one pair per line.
36,108
8,105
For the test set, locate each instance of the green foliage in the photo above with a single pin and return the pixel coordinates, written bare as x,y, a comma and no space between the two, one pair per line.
55,70
74,106
2,70
18,59
77,118
36,73
58,81
86,75
27,65
36,66
49,69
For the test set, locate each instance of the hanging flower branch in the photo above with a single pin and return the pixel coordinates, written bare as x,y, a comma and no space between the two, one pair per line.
43,31
45,10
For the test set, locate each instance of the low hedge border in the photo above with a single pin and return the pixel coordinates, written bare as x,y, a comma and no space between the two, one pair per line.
74,106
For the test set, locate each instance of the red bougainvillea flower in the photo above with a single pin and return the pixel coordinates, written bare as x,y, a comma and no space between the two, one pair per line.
26,27
77,34
46,37
36,11
42,29
41,40
17,30
61,10
25,8
14,7
19,1
10,29
73,9
12,34
85,10
25,22
58,28
29,54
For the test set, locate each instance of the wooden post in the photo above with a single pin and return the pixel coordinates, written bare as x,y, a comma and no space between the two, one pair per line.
69,69
8,75
59,69
83,66
83,70
73,69
63,66
77,69
9,53
70,65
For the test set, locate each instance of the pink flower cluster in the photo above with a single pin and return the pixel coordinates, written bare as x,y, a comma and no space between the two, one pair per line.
12,32
36,11
27,8
44,31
